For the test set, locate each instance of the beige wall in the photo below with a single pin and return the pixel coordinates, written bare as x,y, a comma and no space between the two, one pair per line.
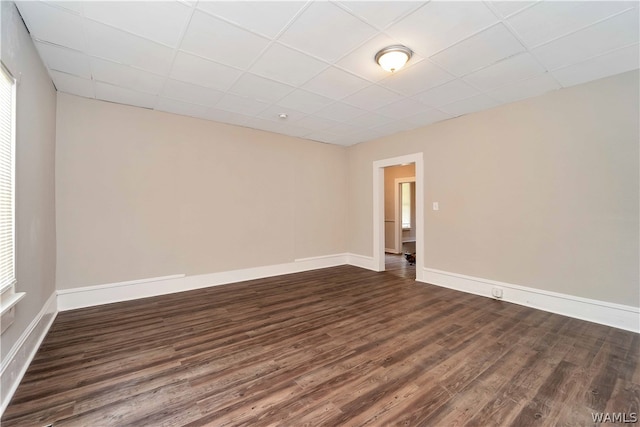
541,193
390,176
35,171
144,194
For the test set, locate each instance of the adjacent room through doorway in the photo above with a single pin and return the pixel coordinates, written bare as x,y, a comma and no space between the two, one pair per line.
400,220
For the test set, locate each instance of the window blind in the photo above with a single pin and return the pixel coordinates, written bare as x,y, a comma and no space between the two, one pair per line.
7,162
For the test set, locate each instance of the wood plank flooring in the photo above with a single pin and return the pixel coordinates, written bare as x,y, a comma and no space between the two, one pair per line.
397,265
333,347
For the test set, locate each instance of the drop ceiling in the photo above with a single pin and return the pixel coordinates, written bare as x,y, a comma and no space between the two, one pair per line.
245,63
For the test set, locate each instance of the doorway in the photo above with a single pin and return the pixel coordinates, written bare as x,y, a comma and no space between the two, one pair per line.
382,223
404,200
400,220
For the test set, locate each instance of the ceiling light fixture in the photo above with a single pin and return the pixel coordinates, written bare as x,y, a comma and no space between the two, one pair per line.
283,115
392,58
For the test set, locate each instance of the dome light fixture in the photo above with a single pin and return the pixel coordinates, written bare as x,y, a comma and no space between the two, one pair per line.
392,58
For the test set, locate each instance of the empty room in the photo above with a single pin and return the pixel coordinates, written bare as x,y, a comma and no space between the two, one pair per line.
319,213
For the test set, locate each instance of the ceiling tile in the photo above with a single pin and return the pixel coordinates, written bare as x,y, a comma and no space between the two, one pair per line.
287,65
264,17
507,71
73,84
189,93
127,77
381,14
256,87
419,77
293,130
211,38
199,71
273,113
343,128
428,117
548,20
65,60
357,137
116,45
525,89
469,105
71,6
597,39
478,51
340,112
404,108
370,120
439,24
380,133
121,95
314,123
179,107
241,105
304,101
393,127
447,93
362,61
372,97
509,7
52,24
322,71
616,62
314,32
161,21
335,83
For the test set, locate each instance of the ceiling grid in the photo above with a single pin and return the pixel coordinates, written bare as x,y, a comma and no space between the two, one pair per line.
246,62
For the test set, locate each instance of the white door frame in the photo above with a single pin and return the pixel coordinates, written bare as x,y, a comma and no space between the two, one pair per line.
378,209
398,213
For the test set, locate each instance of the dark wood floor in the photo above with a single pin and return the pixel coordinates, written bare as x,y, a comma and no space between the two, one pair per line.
397,265
333,347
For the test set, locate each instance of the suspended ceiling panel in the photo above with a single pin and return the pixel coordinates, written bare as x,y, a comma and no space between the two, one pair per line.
247,62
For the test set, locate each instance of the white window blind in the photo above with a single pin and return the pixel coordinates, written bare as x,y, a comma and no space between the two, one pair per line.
7,185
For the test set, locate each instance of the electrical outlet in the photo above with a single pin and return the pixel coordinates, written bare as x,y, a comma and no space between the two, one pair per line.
435,206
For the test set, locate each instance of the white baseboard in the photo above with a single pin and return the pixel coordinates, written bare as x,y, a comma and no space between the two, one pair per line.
606,313
70,299
316,262
361,261
15,364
